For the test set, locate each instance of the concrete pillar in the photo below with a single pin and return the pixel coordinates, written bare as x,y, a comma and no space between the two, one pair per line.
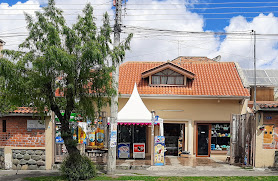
190,137
49,141
8,157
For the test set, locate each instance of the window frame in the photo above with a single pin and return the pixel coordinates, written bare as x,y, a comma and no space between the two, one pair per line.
168,75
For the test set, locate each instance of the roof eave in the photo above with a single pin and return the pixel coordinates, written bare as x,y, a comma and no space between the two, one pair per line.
268,109
167,96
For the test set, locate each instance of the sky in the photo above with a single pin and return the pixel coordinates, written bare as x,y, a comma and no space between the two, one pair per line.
164,29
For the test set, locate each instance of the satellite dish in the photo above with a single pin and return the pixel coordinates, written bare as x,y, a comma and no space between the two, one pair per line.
217,58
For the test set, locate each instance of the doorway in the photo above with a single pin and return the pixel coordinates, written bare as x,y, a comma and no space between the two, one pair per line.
173,138
203,140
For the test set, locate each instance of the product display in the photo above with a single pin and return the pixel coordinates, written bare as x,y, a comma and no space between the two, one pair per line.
220,136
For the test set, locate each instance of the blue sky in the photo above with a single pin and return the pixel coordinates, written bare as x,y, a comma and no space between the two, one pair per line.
157,46
218,24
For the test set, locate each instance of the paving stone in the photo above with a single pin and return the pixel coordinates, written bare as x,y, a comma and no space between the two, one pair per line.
16,151
30,152
24,167
14,167
42,168
18,167
36,157
19,156
22,162
40,163
39,152
26,157
33,167
32,162
15,161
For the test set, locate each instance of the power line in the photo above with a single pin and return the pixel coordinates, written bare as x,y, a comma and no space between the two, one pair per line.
193,3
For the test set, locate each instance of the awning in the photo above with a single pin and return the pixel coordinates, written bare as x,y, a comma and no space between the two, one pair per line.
135,111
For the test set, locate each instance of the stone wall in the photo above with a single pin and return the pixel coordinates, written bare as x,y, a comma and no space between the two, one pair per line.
2,161
28,159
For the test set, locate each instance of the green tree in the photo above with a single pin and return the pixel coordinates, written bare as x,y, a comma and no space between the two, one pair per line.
74,61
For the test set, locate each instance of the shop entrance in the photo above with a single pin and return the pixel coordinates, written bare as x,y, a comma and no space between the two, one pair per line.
203,140
173,138
131,134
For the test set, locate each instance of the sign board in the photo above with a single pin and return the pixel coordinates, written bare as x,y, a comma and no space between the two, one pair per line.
159,146
123,150
113,135
138,150
35,124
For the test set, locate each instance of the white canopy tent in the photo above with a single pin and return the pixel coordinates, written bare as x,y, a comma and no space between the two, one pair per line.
135,112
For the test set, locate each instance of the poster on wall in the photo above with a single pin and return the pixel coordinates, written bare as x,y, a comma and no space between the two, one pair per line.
159,145
35,124
113,135
138,150
123,150
268,141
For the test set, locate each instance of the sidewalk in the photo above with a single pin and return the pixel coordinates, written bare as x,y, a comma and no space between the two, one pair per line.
175,166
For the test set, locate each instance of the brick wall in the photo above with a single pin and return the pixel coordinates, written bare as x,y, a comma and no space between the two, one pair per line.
17,134
271,118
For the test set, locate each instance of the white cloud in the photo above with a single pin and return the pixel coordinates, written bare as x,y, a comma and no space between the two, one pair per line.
12,23
158,46
240,48
170,15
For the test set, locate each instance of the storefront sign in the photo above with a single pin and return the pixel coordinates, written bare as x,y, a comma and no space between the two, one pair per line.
159,145
138,147
59,139
35,124
138,150
123,150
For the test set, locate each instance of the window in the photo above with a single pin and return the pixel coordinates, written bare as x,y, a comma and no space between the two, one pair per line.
168,77
4,126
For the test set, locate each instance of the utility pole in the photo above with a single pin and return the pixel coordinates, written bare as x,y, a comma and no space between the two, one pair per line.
111,162
255,72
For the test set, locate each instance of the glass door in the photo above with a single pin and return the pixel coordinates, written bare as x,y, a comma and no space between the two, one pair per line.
203,140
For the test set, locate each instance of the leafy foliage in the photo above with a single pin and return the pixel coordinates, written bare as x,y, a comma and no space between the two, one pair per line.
78,167
56,59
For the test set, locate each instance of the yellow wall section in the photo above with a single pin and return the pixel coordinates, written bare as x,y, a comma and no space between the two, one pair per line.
204,110
263,157
49,142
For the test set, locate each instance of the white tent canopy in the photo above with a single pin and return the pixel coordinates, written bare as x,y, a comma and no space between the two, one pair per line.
135,110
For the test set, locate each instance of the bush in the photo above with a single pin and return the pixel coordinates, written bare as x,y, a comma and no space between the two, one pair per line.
78,167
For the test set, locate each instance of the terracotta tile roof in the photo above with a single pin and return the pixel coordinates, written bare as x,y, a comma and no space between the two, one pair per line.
267,105
25,110
211,78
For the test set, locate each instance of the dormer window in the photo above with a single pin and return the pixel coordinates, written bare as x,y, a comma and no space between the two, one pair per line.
168,77
167,74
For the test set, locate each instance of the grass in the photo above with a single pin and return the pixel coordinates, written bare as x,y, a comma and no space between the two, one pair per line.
150,178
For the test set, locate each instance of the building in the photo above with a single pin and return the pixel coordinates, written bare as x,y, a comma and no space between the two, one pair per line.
266,154
195,96
23,140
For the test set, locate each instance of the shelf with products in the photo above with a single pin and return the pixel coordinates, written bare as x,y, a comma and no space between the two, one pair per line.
180,146
220,137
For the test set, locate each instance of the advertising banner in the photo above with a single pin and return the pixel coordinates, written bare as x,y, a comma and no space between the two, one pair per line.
113,135
123,150
159,146
138,150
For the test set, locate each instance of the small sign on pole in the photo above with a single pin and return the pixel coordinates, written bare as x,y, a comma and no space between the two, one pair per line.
113,135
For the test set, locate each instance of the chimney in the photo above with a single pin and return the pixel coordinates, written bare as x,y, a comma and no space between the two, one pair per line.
2,43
